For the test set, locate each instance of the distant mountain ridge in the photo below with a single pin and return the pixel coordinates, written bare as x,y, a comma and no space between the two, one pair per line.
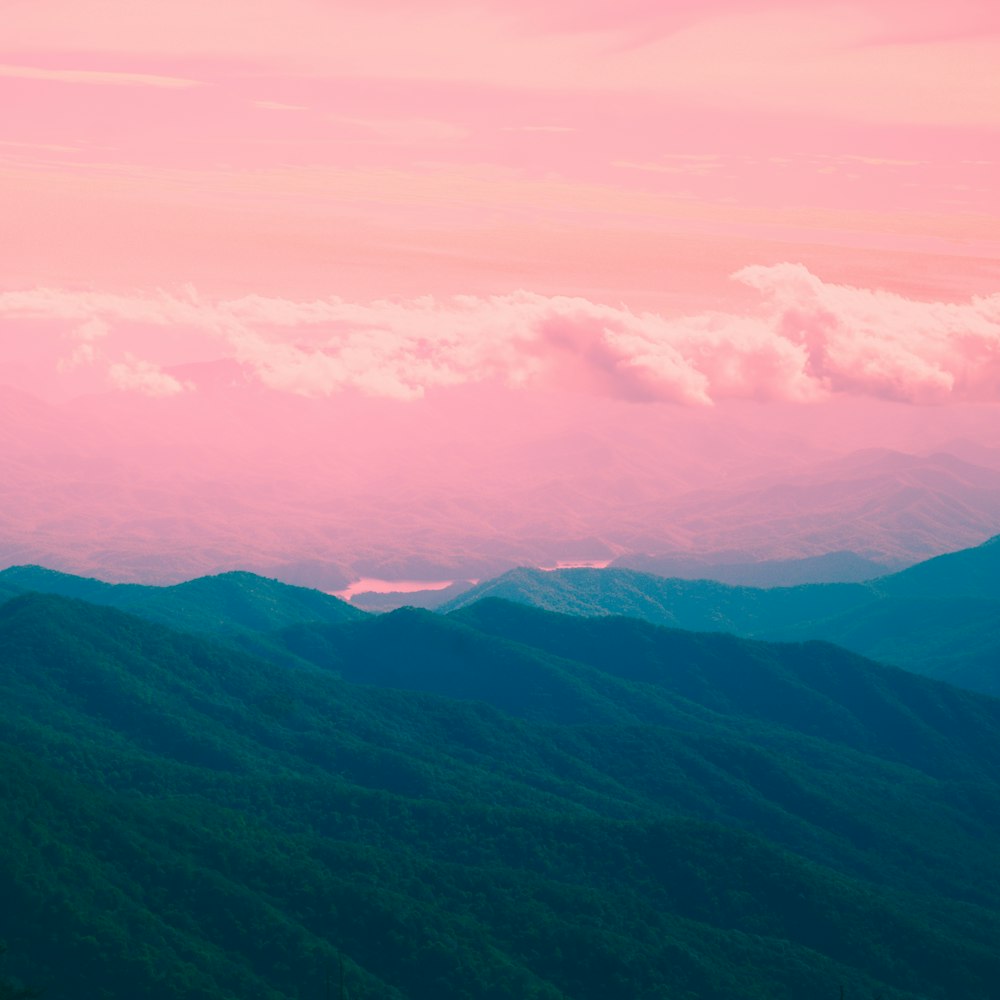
127,491
973,572
832,567
940,617
222,604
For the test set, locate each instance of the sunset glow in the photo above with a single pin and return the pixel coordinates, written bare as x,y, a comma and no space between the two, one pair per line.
323,266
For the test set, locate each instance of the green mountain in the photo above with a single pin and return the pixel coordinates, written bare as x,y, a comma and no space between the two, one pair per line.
940,617
951,639
971,573
224,604
652,815
702,605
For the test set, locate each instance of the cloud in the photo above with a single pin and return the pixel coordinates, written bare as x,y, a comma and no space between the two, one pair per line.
806,340
136,375
85,335
97,77
93,329
877,343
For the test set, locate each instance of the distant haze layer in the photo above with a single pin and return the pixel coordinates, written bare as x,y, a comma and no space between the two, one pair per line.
467,482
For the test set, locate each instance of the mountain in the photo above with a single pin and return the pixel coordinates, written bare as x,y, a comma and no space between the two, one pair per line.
223,604
41,580
702,605
883,504
971,573
370,600
534,663
831,567
957,640
657,814
320,491
940,617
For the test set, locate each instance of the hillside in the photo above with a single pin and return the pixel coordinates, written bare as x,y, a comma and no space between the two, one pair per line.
831,567
8,590
701,605
224,604
710,819
940,617
970,573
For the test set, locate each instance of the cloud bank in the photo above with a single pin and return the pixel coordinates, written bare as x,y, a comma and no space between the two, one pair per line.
144,377
806,340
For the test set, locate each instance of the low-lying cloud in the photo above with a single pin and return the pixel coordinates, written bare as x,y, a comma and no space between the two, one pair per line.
806,340
145,377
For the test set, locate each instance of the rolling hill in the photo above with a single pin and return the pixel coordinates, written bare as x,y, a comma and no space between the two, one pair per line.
831,567
223,604
654,814
940,617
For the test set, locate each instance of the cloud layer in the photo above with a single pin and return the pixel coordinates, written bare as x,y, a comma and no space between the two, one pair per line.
806,340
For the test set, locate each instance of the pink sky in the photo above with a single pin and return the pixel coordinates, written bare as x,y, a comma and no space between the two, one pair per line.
666,203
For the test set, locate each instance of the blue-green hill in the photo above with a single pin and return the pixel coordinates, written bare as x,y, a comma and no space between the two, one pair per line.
940,617
224,604
581,809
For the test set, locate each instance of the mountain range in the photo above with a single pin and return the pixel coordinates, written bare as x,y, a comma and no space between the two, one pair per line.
832,567
165,489
940,617
233,786
502,802
218,605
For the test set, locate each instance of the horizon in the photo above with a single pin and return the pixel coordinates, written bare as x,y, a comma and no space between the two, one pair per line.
367,587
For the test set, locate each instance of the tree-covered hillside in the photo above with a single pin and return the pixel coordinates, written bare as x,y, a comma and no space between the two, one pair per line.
940,617
684,817
226,604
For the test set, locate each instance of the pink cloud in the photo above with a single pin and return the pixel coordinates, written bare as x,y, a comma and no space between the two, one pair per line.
881,344
806,339
136,375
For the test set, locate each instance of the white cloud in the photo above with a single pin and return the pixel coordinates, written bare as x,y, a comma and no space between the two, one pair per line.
85,335
93,329
806,340
136,375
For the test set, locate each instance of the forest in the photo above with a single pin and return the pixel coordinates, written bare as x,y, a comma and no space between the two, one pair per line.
499,803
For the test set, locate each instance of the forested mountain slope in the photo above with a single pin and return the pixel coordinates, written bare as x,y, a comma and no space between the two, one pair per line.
654,814
940,617
224,604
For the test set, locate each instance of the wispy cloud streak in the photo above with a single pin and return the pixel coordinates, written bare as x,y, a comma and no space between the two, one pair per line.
101,77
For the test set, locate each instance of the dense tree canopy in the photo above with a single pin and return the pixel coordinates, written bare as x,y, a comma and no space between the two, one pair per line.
511,805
